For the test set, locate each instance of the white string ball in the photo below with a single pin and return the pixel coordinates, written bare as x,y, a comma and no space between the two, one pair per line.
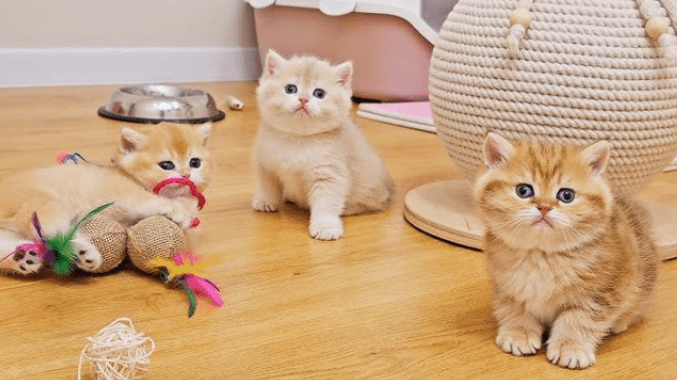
117,352
564,71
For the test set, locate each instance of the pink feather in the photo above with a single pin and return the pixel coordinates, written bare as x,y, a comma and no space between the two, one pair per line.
203,287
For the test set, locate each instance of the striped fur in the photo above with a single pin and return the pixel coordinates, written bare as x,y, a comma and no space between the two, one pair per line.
589,271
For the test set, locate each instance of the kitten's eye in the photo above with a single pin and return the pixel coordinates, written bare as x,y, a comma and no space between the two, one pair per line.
566,195
319,93
291,89
166,165
195,163
524,191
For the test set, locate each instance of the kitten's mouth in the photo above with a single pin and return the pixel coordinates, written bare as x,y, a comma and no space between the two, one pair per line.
175,191
301,109
543,222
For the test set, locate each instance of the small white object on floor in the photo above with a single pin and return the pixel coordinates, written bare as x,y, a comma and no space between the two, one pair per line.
117,352
234,103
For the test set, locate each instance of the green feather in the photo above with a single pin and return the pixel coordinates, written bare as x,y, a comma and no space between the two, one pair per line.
62,266
191,297
71,232
64,247
65,254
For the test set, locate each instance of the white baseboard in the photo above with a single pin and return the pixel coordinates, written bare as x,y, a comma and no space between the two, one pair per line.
84,66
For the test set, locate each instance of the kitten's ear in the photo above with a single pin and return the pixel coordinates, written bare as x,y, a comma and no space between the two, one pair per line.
344,73
273,62
495,150
204,131
130,140
597,155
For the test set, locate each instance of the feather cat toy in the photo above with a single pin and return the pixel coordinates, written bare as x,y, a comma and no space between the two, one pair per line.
58,251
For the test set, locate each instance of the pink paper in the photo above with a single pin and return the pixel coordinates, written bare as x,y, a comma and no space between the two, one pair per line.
417,109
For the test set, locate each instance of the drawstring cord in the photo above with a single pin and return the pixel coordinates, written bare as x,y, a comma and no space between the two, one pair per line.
520,20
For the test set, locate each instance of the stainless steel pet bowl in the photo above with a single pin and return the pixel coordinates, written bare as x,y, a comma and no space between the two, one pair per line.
157,103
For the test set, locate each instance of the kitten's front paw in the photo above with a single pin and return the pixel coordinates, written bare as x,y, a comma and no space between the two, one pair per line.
519,342
178,213
87,256
25,262
261,205
328,227
572,355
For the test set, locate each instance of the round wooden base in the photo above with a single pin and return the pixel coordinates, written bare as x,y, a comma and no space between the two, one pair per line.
445,210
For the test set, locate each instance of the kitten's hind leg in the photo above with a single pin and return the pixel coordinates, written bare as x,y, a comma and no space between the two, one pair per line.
370,197
268,194
87,256
635,313
24,261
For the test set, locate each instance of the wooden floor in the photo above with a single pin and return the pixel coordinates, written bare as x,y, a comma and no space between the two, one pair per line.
384,302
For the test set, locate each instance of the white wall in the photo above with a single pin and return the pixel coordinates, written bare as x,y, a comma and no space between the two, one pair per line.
46,42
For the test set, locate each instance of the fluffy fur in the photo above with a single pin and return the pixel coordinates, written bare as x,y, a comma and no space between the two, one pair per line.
61,194
564,254
309,151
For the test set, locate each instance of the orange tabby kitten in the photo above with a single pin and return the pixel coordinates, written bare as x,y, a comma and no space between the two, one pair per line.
562,251
61,194
309,151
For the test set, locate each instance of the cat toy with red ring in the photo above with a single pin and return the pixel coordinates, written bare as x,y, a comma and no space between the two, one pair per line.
201,200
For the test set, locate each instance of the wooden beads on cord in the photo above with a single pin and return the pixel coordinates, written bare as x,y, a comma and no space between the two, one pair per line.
520,16
657,26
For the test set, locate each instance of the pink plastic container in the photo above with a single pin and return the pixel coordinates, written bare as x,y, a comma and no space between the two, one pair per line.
390,54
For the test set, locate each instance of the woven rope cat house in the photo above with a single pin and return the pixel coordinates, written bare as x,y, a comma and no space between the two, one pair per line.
574,71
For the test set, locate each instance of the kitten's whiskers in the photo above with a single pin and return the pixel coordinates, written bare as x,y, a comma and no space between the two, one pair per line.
512,226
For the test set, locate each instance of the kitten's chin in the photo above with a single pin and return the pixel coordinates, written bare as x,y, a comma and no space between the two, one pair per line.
547,238
303,125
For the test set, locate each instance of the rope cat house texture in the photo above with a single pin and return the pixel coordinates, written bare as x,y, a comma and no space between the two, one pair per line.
573,71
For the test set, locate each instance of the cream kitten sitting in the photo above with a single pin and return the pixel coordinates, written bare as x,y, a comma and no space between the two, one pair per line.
61,194
309,151
563,252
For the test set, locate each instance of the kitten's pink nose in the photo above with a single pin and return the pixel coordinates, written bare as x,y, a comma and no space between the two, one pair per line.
303,100
544,208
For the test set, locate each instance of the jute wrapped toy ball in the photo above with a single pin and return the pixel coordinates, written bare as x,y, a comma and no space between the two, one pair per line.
151,238
110,238
563,71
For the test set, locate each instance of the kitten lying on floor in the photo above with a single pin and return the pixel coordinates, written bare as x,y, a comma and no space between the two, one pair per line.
308,150
562,251
61,194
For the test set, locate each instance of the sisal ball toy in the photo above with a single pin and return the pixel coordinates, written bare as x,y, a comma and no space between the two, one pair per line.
562,71
152,238
117,352
110,238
